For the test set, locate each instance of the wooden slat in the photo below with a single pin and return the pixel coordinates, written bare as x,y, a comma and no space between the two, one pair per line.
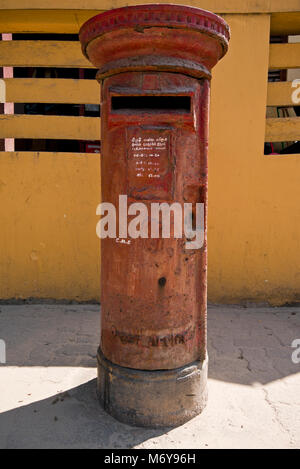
218,6
284,56
41,154
52,127
72,91
52,90
69,21
280,94
44,21
282,129
42,54
285,23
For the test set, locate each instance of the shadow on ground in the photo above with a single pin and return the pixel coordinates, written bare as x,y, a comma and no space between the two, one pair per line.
48,345
244,345
73,419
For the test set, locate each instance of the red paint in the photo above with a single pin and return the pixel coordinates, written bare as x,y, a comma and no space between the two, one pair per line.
154,290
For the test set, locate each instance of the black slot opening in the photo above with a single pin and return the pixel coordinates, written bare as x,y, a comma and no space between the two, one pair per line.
151,103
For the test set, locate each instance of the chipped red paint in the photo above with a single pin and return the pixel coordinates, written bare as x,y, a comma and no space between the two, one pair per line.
154,290
134,305
139,17
155,37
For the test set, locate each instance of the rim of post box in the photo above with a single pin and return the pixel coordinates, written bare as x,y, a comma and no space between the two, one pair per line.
156,15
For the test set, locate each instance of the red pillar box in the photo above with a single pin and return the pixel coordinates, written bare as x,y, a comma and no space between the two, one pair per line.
155,66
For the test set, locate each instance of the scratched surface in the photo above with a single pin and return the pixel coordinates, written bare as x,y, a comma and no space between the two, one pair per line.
154,290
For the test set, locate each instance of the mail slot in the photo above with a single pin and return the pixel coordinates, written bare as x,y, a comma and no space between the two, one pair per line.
154,103
154,66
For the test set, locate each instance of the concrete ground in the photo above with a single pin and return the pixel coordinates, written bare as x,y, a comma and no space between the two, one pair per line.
47,387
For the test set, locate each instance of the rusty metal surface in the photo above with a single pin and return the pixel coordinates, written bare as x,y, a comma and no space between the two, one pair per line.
155,37
154,290
141,17
152,398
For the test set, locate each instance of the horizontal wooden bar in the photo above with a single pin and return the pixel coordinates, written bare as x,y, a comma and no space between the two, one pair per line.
49,127
44,21
72,91
218,6
65,54
284,56
68,54
282,129
285,23
41,154
280,94
69,21
284,156
51,90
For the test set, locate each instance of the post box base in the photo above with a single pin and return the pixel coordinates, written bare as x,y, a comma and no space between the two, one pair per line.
152,398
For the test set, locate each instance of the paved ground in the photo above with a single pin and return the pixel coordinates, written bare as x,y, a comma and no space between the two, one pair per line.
47,387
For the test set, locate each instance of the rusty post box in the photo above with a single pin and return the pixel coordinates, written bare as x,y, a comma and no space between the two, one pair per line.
154,66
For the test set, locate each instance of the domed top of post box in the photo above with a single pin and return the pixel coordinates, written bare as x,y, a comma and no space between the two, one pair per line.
157,37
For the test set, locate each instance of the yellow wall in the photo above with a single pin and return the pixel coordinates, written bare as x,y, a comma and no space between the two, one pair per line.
254,217
48,245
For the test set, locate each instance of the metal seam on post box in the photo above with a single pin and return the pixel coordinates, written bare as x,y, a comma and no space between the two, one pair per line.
153,64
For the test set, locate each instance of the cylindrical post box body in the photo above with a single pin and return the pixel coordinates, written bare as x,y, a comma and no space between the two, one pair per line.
152,359
153,289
